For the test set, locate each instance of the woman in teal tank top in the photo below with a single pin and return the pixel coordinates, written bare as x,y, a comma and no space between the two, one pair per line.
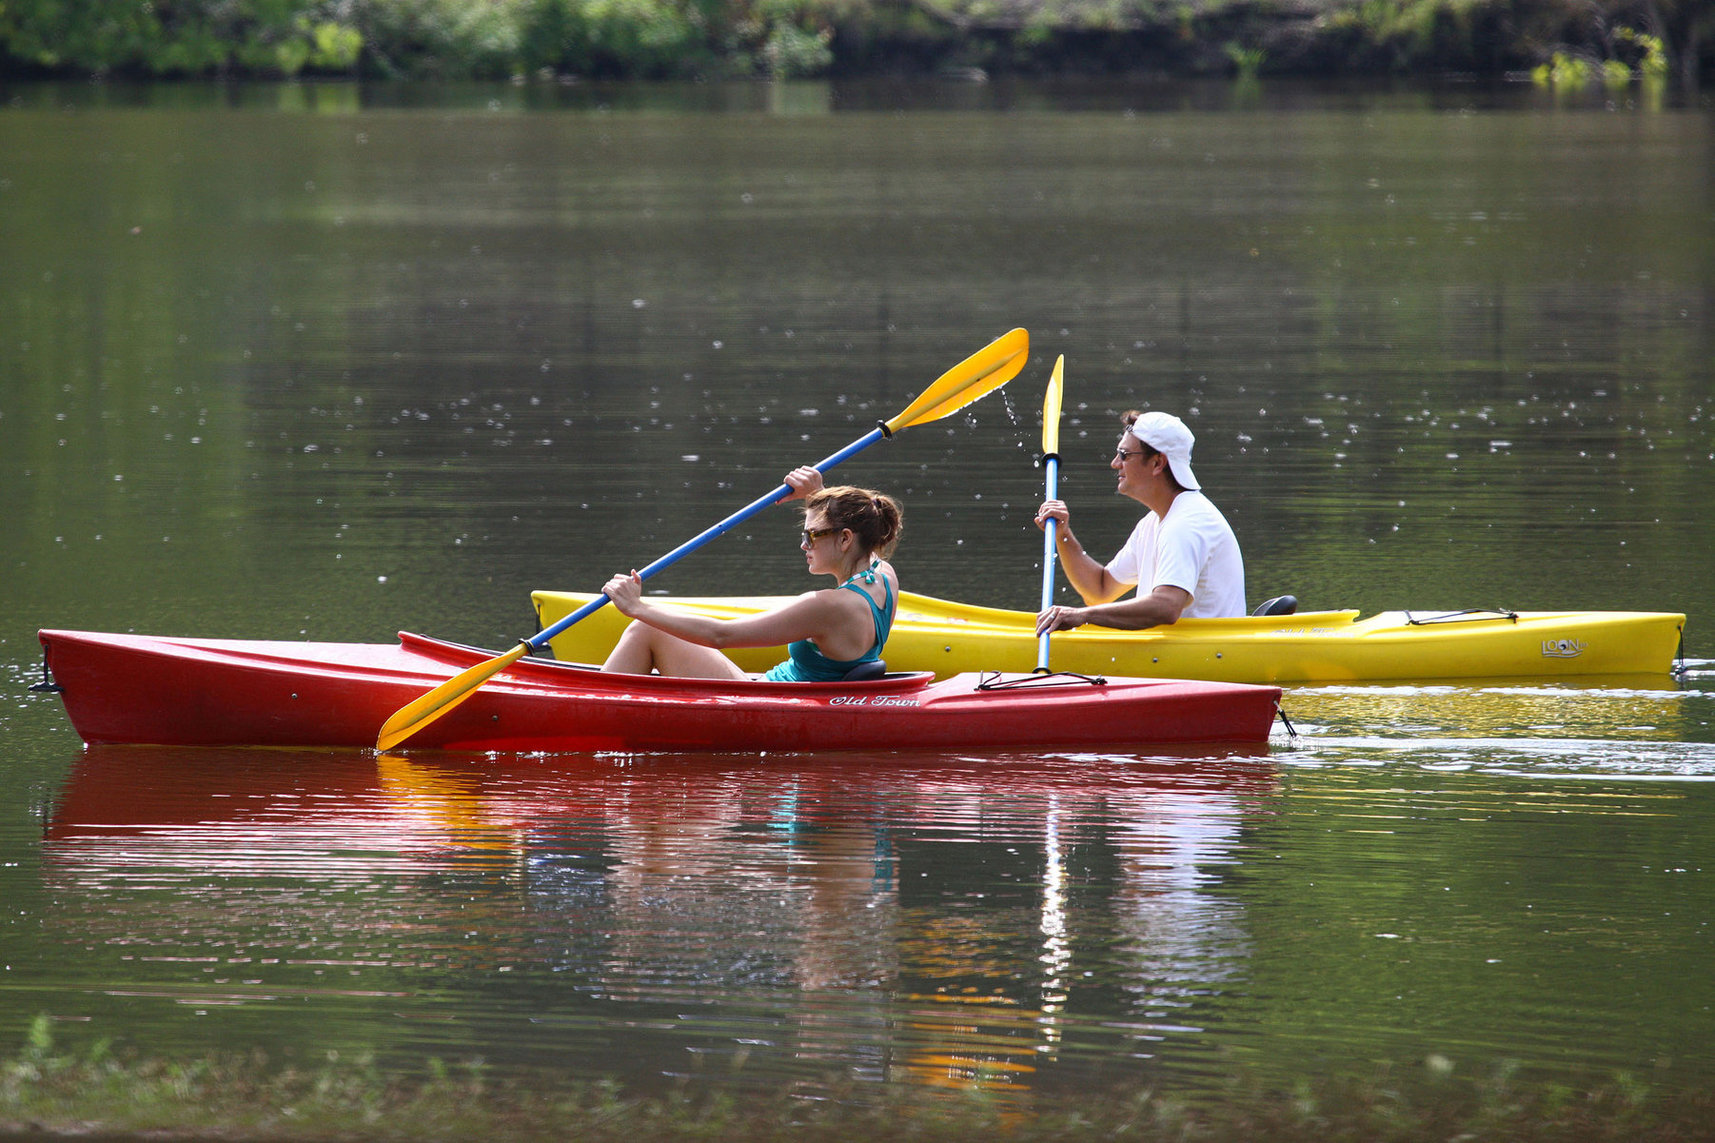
848,534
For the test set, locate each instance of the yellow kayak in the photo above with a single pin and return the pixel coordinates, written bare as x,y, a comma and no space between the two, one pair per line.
939,635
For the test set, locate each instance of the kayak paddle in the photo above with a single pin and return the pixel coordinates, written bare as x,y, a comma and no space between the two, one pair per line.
1050,462
976,376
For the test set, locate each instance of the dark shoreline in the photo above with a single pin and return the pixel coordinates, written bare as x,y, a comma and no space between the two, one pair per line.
1607,43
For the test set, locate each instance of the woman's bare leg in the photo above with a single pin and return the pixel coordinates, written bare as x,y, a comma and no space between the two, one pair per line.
642,649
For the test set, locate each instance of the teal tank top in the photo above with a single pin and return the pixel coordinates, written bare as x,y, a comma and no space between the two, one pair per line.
807,664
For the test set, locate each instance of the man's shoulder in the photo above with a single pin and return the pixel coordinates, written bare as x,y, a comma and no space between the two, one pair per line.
1192,504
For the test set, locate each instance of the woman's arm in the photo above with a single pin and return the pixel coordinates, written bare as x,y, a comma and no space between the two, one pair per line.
804,481
782,625
812,615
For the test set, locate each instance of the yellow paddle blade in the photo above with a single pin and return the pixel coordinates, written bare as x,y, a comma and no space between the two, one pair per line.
1051,409
418,713
976,376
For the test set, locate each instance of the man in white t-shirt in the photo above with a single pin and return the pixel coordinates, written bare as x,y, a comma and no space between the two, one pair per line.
1182,557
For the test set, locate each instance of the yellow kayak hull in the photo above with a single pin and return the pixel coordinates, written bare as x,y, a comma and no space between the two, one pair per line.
947,638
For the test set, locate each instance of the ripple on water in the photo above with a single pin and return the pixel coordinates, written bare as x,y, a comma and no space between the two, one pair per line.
1630,730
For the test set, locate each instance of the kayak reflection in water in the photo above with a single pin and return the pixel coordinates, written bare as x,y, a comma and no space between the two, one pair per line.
1182,556
848,533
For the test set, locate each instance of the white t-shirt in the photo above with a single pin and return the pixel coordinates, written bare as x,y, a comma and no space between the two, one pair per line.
1193,549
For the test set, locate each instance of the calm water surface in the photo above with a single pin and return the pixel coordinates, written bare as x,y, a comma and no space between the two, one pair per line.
318,362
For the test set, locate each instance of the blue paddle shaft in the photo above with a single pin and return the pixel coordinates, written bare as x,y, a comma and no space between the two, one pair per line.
1052,464
537,640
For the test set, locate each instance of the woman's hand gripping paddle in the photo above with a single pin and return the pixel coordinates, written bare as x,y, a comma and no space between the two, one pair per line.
1050,462
974,377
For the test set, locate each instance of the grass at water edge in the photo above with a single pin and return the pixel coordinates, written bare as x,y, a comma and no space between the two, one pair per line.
101,1094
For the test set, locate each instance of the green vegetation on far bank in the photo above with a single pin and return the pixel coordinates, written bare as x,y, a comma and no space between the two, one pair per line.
1582,41
45,1090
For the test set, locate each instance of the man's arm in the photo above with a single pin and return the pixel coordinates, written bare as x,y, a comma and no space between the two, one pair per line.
1091,578
1083,571
1160,607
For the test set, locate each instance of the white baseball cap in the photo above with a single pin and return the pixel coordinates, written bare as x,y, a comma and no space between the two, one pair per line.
1167,434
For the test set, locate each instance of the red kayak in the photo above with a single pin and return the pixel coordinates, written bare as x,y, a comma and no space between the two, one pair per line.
228,692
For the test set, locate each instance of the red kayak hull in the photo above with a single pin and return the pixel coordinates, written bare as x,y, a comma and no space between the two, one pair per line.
224,692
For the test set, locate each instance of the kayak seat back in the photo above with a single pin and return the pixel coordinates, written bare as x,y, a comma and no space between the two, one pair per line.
864,672
1279,605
